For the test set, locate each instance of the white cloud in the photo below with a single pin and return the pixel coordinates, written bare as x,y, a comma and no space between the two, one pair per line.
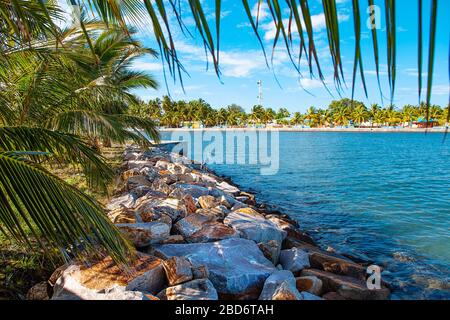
147,66
263,11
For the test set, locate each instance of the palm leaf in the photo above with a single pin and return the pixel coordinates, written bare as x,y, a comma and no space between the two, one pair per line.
64,147
375,51
431,51
358,58
62,215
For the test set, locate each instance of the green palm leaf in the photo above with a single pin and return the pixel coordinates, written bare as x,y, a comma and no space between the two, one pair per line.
62,215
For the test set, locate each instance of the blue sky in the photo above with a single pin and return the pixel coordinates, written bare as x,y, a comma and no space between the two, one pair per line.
242,61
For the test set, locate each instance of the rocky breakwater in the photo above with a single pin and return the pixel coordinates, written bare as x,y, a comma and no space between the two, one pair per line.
201,238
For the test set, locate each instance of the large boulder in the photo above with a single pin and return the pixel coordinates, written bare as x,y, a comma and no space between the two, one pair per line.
192,223
201,289
347,287
194,191
294,260
138,181
254,226
171,207
139,164
178,270
237,267
77,281
280,286
212,231
122,215
144,234
228,188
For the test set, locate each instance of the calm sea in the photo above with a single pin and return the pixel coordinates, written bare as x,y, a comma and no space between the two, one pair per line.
382,196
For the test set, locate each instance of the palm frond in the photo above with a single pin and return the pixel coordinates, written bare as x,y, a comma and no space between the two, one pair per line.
431,51
64,147
66,218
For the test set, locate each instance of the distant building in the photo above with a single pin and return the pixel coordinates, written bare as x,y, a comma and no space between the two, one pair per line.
423,123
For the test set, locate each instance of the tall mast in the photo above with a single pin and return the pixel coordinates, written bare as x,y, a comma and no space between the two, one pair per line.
260,93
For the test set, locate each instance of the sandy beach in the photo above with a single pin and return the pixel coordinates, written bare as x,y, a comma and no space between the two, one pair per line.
295,129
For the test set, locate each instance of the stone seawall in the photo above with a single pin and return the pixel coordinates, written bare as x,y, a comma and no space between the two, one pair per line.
201,238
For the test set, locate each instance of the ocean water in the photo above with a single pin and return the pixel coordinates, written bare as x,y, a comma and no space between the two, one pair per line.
382,196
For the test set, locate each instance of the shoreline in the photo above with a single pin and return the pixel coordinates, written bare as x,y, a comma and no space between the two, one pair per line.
352,130
199,236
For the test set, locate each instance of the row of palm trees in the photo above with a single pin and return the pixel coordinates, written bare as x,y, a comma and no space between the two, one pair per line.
342,112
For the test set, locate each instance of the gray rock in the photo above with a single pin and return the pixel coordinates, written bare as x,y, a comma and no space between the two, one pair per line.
144,234
309,284
237,267
294,260
228,188
127,200
195,191
254,226
309,296
178,270
201,289
280,286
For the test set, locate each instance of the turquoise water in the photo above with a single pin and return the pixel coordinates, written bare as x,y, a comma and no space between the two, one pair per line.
384,196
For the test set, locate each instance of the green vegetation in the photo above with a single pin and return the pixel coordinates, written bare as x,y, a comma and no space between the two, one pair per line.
342,112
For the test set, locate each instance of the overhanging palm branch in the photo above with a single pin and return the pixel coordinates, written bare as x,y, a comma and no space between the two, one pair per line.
64,147
53,210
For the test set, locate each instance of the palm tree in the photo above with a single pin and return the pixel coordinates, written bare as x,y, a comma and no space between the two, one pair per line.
297,118
360,114
340,116
67,98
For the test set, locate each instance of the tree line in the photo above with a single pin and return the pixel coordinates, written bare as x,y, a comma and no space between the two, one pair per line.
169,113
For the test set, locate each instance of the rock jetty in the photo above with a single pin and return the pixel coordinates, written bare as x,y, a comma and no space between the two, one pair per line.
201,238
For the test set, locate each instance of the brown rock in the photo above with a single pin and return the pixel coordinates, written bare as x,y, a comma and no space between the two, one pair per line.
201,289
347,287
122,215
216,212
178,270
129,173
39,291
248,210
212,231
309,284
189,203
144,234
207,202
192,223
174,239
145,273
336,265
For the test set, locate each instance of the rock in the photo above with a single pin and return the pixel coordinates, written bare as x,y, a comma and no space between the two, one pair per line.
200,272
218,213
129,173
178,270
228,188
254,226
137,181
176,238
122,215
294,260
237,267
161,186
332,296
337,265
207,202
309,284
127,200
192,223
162,164
271,250
347,287
151,216
200,289
144,234
131,156
39,291
146,274
150,173
189,204
212,231
309,296
139,164
142,191
223,201
238,205
194,191
174,208
186,178
280,286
